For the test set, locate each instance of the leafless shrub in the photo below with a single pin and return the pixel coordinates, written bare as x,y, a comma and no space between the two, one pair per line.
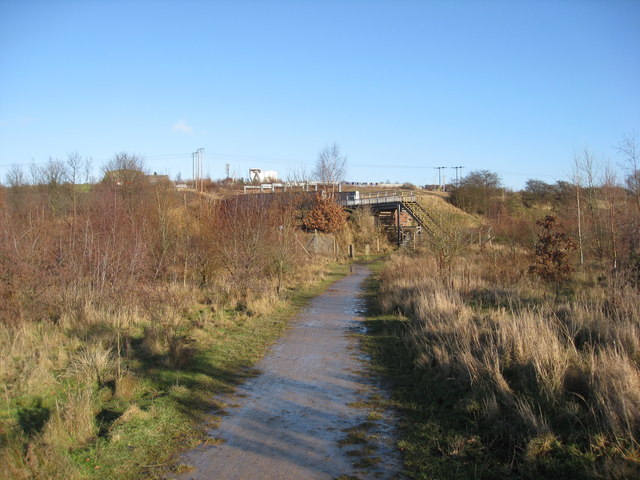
446,238
244,238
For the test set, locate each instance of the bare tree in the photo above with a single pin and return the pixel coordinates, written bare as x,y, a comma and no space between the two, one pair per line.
477,191
298,175
127,173
88,167
34,172
577,180
161,230
54,173
589,168
54,176
243,236
73,167
125,168
330,166
283,251
16,180
15,176
447,238
613,200
630,149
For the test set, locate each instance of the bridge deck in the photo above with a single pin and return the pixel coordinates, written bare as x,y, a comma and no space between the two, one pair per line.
379,199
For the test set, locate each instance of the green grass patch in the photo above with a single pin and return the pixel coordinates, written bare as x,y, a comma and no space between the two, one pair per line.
355,436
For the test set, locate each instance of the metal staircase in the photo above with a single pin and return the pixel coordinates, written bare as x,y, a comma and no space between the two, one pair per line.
412,205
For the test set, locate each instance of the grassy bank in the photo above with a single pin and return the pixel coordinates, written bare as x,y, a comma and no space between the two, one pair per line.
494,377
116,395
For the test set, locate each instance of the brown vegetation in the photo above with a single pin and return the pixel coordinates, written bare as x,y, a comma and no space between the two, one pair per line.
326,215
542,386
106,289
552,261
526,371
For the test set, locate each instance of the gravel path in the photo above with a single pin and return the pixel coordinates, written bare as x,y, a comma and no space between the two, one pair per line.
291,421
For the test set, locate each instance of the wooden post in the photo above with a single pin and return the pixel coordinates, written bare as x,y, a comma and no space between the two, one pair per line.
352,252
398,226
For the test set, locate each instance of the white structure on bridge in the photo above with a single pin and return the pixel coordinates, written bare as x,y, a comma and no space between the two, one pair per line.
262,176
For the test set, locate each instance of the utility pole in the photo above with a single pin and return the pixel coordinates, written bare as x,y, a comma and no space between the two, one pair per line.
440,176
196,159
194,170
201,167
457,168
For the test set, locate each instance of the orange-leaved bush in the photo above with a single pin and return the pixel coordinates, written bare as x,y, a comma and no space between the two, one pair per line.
552,255
326,216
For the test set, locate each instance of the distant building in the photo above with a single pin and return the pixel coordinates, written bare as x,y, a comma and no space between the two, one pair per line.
155,178
261,176
126,176
123,176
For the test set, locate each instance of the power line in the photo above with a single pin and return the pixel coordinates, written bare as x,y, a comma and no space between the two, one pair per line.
387,165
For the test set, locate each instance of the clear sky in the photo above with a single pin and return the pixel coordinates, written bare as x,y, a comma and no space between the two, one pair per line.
516,87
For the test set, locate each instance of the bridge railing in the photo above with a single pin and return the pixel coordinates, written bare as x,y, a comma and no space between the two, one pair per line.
376,198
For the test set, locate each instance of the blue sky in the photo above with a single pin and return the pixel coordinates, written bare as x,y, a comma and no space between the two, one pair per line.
516,87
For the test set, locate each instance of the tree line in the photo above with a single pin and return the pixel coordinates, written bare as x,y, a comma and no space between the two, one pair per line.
599,212
60,238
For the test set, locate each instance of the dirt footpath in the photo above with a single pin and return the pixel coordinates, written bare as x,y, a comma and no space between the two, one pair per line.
292,421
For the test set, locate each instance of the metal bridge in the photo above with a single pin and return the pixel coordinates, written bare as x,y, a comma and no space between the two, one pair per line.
392,203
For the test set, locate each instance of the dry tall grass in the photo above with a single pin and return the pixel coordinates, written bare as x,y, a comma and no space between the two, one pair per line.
562,370
57,377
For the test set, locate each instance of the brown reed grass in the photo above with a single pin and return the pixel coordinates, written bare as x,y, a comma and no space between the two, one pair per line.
567,368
